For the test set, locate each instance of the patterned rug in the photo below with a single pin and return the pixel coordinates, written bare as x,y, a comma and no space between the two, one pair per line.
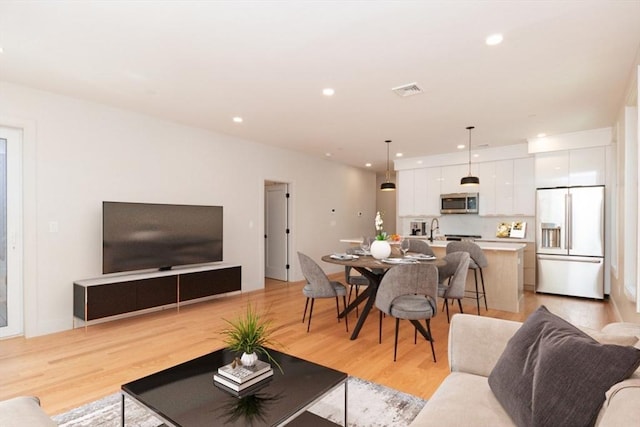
369,405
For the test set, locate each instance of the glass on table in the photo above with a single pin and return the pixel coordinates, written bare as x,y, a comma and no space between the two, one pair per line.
404,246
365,245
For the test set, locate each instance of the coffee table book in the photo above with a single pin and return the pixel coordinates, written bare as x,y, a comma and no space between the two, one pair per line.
240,374
241,386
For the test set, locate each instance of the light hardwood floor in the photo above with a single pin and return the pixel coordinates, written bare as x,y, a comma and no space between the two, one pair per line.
74,367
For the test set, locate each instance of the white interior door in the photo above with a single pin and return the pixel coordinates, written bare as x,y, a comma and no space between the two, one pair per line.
11,290
276,234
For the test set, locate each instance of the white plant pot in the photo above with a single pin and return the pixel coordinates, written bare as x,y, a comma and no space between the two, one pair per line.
248,359
380,249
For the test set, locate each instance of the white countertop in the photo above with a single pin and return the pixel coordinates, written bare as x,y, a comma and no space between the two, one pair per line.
493,246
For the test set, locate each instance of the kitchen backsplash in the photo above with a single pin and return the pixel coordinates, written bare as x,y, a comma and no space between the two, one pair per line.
470,225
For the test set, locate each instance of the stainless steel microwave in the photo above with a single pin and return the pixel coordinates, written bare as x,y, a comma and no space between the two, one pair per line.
459,203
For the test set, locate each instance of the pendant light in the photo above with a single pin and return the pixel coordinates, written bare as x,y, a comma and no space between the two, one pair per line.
470,179
387,185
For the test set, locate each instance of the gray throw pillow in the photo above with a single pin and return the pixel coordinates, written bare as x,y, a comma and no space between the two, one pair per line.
553,374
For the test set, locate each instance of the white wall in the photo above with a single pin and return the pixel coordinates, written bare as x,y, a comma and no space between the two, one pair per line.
79,153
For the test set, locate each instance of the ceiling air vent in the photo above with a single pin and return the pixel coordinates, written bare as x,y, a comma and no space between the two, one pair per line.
407,90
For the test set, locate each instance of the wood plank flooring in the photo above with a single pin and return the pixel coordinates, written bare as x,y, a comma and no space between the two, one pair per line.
74,367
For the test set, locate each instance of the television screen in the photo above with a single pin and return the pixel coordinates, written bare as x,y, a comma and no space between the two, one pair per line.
138,236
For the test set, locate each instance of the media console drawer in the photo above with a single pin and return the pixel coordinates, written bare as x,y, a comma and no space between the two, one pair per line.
113,295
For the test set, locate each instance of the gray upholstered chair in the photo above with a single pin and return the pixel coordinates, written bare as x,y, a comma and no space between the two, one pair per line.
319,286
409,291
420,247
454,272
477,263
354,280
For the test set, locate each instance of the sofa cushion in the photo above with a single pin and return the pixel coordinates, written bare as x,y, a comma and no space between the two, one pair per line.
23,411
551,373
463,399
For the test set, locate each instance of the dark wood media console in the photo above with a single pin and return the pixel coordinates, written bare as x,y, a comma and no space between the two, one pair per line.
121,294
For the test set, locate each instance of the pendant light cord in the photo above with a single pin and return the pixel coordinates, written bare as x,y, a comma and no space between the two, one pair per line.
469,129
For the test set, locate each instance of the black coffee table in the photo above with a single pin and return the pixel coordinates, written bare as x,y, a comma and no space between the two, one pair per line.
185,395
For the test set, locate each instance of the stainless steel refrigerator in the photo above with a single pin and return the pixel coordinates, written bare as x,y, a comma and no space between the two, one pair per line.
570,241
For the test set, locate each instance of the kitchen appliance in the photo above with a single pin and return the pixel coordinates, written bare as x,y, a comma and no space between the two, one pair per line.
459,203
462,237
570,241
418,228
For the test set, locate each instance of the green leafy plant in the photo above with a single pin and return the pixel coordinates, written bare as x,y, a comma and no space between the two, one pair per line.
250,332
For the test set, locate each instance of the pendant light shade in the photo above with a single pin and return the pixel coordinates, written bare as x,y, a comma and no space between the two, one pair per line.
470,179
387,185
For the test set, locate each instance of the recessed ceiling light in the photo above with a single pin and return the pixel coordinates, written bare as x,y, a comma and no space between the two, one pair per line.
476,155
368,165
237,119
494,39
327,154
541,135
461,146
399,154
328,92
419,162
1,49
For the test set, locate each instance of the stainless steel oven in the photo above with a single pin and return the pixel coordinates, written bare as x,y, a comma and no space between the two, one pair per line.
459,203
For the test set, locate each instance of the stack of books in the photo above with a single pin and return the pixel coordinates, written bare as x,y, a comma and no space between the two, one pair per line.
241,378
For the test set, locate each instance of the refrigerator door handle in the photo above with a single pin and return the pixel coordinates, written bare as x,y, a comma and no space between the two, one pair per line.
569,259
569,219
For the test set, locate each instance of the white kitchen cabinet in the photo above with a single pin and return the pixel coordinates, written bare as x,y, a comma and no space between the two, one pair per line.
419,192
524,187
507,187
584,166
451,176
406,191
552,169
504,187
587,166
487,188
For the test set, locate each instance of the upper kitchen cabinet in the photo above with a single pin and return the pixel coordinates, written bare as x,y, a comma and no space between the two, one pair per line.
419,192
451,176
565,168
507,187
524,187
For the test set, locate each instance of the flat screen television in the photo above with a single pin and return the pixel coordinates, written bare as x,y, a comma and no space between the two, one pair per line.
139,236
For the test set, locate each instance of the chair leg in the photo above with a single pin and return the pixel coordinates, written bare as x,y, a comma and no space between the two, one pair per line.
346,318
338,309
446,304
395,345
310,313
475,276
460,305
484,293
433,351
380,329
357,292
305,310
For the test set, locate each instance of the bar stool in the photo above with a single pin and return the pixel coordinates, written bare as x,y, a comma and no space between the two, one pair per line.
478,262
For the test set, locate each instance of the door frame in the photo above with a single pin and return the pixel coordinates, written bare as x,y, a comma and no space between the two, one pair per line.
288,219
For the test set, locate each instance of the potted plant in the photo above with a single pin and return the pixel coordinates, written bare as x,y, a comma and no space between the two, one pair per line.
248,334
380,247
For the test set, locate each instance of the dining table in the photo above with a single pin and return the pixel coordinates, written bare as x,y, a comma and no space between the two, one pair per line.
374,270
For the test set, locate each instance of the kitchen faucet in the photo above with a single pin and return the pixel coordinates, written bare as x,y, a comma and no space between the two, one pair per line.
431,228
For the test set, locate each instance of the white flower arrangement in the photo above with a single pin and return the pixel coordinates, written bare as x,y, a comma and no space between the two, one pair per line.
381,235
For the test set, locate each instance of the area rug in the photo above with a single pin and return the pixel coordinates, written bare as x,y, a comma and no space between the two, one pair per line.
369,405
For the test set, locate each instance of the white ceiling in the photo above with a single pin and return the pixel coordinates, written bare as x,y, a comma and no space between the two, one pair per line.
563,67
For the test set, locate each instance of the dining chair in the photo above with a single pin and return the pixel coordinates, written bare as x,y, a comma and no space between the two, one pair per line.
410,292
319,286
454,272
420,247
477,263
354,280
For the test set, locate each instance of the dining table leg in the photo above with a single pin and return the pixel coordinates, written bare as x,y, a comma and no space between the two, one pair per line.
369,294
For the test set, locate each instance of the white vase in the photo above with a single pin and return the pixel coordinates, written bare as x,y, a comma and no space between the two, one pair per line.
380,249
248,359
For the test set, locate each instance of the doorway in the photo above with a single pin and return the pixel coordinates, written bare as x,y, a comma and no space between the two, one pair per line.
11,287
276,230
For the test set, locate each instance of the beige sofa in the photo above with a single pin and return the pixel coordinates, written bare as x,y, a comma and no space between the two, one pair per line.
475,344
24,411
